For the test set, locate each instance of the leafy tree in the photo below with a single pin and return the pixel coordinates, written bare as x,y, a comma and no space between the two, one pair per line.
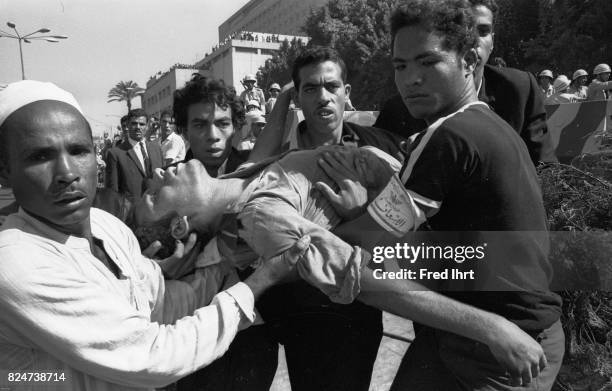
359,31
572,34
125,91
278,68
515,26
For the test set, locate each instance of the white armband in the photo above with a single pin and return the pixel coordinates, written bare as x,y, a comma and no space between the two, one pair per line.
394,209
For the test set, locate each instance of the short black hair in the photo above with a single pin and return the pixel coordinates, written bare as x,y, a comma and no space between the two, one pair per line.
202,89
316,55
135,113
164,113
125,119
451,19
490,4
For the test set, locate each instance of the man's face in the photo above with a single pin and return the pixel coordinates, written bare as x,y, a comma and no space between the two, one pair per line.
582,80
249,84
605,76
182,190
430,78
138,128
51,164
322,95
484,23
167,125
274,93
545,81
210,131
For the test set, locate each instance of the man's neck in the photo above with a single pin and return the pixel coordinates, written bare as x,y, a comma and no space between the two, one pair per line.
468,95
82,229
224,195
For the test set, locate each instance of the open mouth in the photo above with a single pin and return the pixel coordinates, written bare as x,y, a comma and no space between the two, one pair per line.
325,113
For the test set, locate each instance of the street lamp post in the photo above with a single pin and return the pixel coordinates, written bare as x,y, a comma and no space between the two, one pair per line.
28,38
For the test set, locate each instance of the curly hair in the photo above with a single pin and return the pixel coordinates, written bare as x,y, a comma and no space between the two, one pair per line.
452,19
316,55
202,89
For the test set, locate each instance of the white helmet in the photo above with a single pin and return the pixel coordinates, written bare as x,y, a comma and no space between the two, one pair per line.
601,68
561,83
274,86
250,77
546,73
578,73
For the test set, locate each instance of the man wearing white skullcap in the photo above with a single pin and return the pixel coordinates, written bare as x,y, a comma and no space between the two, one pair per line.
77,298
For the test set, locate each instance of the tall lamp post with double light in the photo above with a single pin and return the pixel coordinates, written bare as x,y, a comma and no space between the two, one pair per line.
28,38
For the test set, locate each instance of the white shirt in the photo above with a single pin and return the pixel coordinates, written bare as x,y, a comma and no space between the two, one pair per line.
173,147
62,310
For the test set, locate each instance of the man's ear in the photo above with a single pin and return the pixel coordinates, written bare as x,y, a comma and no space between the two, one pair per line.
470,61
295,95
347,90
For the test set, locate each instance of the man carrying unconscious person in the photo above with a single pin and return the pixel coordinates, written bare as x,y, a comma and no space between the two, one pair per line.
512,94
328,346
470,181
272,206
77,298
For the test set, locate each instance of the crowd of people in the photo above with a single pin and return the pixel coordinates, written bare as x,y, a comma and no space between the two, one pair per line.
278,241
563,90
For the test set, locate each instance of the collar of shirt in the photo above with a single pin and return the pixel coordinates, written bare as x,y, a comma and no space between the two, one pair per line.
348,137
35,226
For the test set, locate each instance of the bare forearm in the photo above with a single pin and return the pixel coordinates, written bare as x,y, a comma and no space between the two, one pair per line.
413,301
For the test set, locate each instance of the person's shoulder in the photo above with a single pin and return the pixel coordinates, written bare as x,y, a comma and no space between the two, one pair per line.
106,225
364,131
507,76
476,121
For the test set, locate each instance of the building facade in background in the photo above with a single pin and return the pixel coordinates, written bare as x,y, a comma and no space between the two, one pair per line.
243,54
160,88
285,17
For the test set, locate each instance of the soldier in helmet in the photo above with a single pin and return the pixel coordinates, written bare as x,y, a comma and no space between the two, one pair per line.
274,91
545,79
600,88
578,86
251,92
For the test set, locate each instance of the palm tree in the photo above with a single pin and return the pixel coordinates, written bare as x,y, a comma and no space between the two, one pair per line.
125,91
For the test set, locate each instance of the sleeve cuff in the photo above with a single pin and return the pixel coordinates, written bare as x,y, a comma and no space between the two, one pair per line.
244,298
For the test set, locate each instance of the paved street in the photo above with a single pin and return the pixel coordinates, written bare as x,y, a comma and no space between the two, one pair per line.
389,355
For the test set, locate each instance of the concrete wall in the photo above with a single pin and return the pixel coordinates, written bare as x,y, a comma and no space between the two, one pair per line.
235,58
159,93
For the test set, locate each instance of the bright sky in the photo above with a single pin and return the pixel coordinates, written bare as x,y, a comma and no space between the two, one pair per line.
109,41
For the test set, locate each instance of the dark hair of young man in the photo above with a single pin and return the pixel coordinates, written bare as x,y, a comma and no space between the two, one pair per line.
135,113
316,55
124,120
451,19
202,89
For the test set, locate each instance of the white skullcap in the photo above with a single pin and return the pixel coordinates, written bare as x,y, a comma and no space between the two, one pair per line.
18,94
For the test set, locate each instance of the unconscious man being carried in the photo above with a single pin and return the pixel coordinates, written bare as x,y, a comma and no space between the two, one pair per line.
272,206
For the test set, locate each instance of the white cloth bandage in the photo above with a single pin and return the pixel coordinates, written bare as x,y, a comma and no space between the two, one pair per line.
394,209
18,94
